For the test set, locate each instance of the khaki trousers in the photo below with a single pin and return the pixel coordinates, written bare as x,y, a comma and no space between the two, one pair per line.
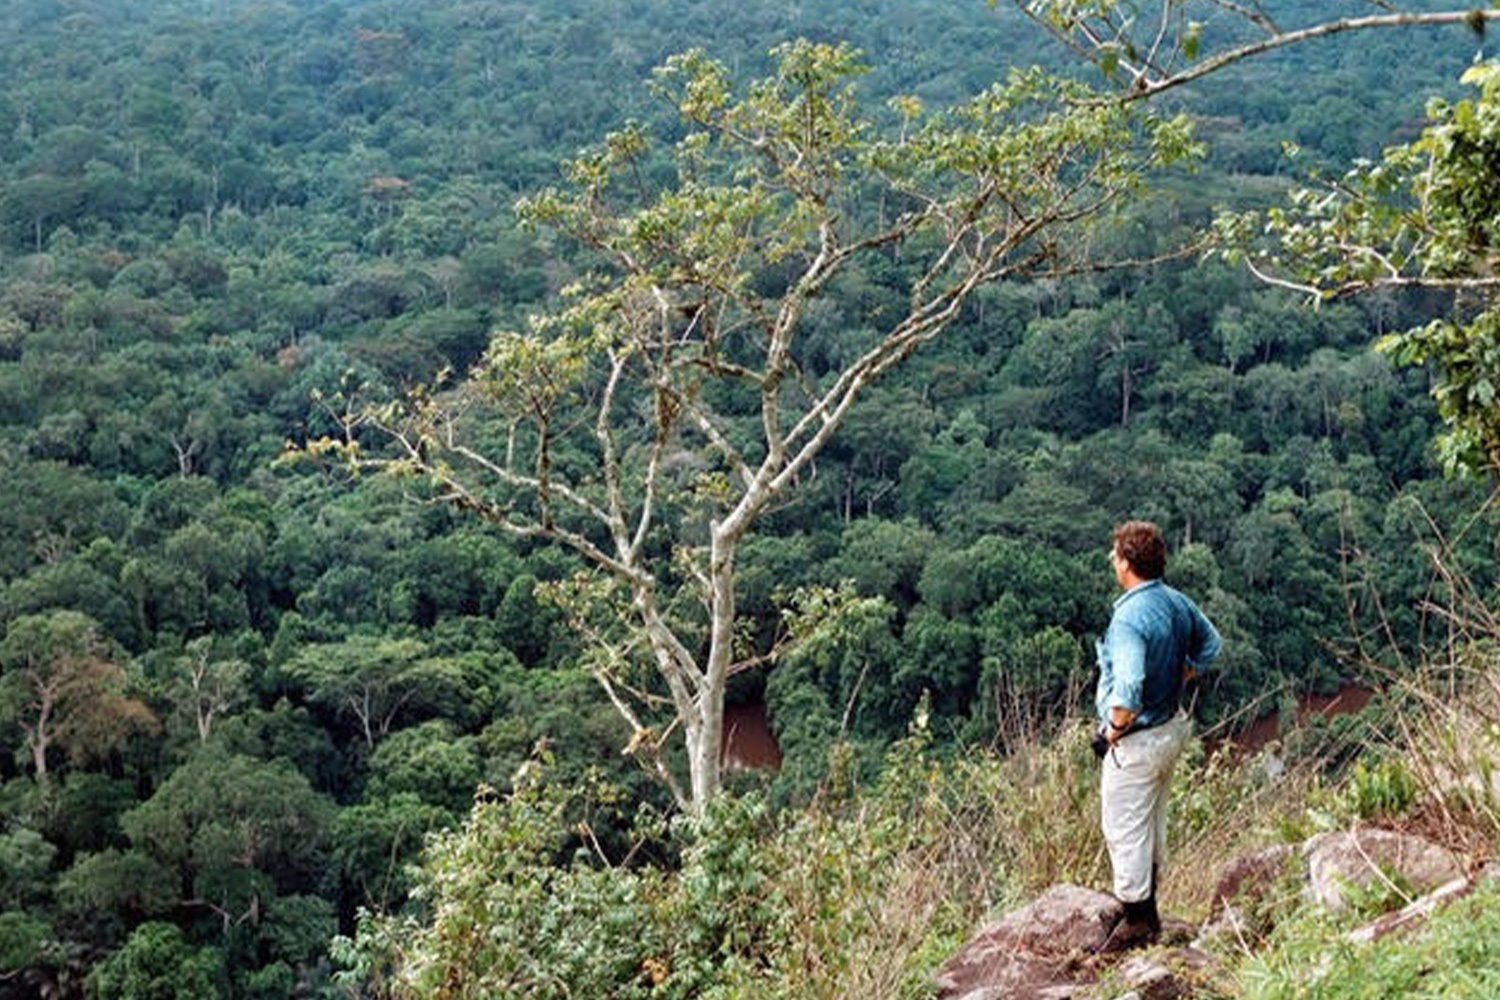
1133,792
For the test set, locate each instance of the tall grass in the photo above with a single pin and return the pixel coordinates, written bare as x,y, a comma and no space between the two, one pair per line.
1450,738
877,887
1445,720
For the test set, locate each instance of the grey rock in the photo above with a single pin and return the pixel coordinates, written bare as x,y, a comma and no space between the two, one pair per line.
1160,976
1248,878
1359,857
1061,921
1175,931
1413,914
1062,991
1150,978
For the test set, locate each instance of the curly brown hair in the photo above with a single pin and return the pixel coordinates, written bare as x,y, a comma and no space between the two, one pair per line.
1140,543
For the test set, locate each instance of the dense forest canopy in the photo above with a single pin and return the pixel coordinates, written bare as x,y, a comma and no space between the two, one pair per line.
237,691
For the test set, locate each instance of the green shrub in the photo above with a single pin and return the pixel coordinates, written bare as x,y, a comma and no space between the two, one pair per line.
1384,789
23,941
504,918
861,894
1456,957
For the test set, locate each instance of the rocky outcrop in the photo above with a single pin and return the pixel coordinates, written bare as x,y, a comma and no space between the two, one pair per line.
1035,953
1045,951
1359,857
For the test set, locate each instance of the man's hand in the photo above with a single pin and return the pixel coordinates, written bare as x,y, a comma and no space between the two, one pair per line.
1120,721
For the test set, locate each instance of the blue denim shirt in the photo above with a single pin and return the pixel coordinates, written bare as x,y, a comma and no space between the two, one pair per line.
1154,634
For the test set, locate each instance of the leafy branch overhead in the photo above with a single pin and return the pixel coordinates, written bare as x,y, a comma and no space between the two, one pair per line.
1424,216
1421,218
1150,47
667,402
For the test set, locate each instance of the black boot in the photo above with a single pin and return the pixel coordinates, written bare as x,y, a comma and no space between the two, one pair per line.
1153,919
1137,928
1149,916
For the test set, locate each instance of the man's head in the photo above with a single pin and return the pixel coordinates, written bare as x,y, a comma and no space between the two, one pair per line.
1139,553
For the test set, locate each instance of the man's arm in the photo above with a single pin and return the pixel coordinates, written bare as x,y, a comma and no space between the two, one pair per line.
1128,654
1207,642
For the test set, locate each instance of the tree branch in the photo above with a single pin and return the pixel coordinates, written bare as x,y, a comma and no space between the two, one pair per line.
462,497
527,482
604,432
641,735
919,327
704,422
648,489
1145,87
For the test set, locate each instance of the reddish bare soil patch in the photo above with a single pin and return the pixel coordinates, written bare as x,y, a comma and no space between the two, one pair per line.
749,744
1260,733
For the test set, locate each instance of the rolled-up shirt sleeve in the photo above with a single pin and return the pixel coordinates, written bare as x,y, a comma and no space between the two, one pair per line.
1127,654
1207,643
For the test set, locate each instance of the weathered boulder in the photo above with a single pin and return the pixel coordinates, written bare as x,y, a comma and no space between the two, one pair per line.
1247,879
1066,991
1365,855
1236,909
1034,953
1163,976
1175,931
1414,914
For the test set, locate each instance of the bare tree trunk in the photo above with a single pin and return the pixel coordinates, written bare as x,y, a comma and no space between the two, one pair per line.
39,754
37,737
705,760
184,456
363,710
203,712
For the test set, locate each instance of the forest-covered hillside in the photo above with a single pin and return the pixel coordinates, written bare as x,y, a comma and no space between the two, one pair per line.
236,691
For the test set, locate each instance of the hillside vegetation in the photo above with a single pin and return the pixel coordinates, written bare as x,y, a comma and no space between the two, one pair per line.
865,892
240,691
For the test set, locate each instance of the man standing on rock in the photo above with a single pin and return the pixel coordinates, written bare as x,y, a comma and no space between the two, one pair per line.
1157,639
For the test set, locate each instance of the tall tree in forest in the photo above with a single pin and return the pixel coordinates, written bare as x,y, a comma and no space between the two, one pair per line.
377,680
235,830
206,687
664,406
61,685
